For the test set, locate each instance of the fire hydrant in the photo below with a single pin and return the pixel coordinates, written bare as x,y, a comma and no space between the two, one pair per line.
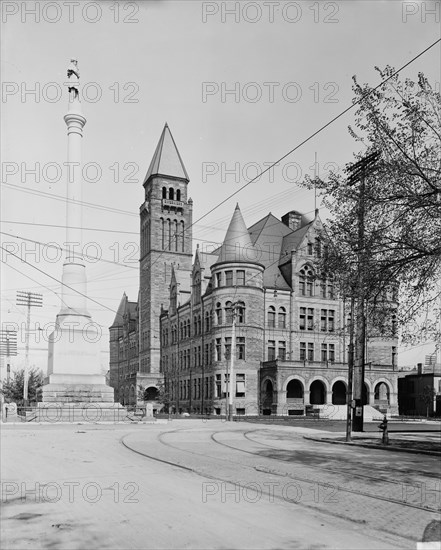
383,427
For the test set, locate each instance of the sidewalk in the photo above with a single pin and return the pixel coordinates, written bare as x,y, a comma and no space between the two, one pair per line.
427,443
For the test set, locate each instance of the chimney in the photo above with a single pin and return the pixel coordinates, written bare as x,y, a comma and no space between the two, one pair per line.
292,219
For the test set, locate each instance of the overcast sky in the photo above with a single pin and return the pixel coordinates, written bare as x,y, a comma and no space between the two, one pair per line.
288,66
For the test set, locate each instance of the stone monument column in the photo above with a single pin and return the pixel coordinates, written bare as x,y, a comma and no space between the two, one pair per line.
75,388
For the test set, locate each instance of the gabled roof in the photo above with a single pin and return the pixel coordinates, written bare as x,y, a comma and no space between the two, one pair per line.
237,245
124,307
206,260
294,240
267,236
167,161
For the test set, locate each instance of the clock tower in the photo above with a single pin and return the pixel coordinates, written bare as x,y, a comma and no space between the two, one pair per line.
166,241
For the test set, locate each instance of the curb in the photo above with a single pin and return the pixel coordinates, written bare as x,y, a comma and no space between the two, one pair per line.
377,447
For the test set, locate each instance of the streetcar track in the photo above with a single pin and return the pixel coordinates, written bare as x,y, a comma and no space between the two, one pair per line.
347,490
341,472
270,494
160,438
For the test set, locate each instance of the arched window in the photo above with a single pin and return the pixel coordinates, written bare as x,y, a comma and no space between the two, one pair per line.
195,325
306,281
218,313
170,236
162,233
199,324
318,247
178,195
176,236
164,193
207,321
240,312
228,313
182,237
282,317
272,317
171,193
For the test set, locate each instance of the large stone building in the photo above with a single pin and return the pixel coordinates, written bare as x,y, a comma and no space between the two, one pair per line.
290,328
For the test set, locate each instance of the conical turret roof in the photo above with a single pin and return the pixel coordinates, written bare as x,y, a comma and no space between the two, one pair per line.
237,245
167,161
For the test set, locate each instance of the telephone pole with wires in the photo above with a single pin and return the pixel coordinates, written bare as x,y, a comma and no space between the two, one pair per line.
358,173
28,299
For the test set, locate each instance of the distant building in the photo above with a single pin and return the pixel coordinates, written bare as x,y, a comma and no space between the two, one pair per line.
290,342
419,392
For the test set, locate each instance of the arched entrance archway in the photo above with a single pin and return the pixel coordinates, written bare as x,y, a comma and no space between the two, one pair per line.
294,390
151,393
381,393
339,393
267,397
317,393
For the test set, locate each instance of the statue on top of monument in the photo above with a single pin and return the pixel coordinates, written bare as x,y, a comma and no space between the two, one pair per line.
74,79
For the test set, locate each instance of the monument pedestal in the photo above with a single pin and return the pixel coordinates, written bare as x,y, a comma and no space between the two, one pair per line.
76,391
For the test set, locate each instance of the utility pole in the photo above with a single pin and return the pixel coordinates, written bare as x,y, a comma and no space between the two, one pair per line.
350,372
28,299
358,173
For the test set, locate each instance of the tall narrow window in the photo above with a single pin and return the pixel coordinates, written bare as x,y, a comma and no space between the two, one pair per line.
310,319
330,287
164,193
218,350
323,320
302,351
240,313
228,278
218,313
162,234
282,350
171,193
324,350
282,317
178,194
272,317
306,281
240,347
182,235
271,350
310,351
218,280
302,318
228,313
331,320
176,236
240,277
331,352
228,348
240,385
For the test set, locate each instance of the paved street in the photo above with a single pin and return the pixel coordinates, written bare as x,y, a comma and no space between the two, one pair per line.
208,484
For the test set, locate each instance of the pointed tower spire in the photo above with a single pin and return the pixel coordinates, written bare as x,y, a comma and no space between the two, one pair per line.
167,161
237,245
